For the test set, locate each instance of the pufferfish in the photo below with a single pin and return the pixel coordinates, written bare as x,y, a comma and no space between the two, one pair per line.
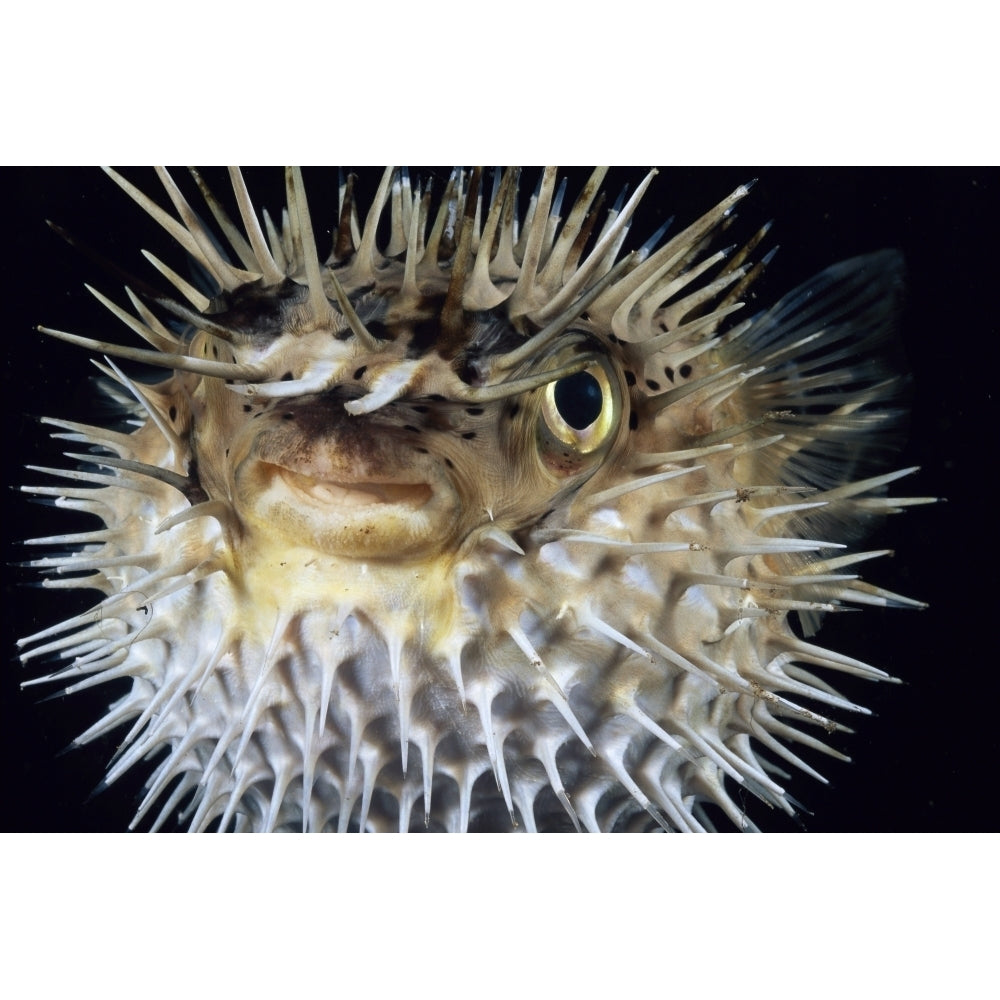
480,521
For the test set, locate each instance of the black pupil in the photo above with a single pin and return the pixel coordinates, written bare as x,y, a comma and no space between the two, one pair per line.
579,399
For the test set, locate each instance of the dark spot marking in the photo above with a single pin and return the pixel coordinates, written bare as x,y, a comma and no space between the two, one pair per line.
421,451
411,428
633,420
360,372
469,435
449,463
669,372
378,329
684,371
247,407
420,409
425,334
629,378
173,413
514,410
287,377
474,411
287,416
654,385
215,352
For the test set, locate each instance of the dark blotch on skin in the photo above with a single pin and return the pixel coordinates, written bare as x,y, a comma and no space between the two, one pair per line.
320,423
257,312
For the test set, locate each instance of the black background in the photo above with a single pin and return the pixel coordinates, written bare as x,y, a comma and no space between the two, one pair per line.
924,763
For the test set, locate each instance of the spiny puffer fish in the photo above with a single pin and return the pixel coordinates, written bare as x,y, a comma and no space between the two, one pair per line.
479,521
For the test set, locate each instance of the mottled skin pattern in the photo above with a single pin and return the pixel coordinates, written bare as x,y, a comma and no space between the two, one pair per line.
477,530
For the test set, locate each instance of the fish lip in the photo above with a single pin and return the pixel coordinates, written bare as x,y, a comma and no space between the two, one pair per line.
348,503
353,494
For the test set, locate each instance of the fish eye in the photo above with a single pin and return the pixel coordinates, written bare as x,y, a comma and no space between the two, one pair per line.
578,399
579,413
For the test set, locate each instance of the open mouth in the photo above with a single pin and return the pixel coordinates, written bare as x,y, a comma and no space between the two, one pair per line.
333,493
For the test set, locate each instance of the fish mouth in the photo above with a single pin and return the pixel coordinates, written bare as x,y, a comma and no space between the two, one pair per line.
353,494
354,510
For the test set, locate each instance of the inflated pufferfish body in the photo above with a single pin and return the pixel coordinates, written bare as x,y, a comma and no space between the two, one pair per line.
480,521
